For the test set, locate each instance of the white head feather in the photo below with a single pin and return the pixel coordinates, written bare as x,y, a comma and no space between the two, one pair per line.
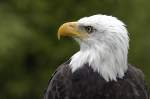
106,49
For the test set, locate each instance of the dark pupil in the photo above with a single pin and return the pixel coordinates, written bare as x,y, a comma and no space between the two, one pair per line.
89,29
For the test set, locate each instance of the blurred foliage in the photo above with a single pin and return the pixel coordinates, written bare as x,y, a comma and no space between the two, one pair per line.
30,51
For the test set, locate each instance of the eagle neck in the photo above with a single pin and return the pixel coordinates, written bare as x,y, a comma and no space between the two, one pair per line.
109,63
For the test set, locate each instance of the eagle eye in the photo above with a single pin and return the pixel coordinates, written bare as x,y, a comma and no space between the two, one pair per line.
89,29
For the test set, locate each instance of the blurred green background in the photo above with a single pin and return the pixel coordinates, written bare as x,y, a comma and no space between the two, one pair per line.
30,51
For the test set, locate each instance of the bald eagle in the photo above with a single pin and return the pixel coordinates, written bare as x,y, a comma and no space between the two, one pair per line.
100,69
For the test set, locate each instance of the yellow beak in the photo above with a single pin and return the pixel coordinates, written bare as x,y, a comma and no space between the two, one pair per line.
68,29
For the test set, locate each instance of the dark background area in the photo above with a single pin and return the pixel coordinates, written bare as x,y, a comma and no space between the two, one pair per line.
30,51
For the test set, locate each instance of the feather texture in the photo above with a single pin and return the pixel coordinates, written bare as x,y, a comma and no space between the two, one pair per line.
84,83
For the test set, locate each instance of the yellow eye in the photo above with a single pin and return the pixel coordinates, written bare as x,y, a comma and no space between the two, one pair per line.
89,29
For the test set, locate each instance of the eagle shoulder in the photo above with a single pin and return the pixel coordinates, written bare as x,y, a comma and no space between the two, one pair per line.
57,84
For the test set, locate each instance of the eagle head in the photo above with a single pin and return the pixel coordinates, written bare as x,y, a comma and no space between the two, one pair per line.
103,44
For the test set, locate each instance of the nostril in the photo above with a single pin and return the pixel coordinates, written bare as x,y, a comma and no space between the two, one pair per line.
71,25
